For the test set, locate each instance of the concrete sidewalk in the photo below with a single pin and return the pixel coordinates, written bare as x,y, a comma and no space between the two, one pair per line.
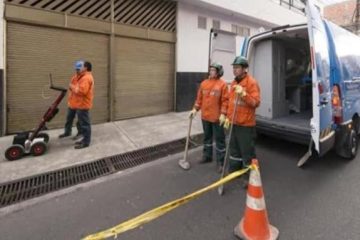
107,139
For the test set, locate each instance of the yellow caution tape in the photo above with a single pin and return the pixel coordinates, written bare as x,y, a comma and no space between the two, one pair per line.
159,211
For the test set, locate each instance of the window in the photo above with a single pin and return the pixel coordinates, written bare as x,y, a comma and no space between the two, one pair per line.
241,31
216,24
201,22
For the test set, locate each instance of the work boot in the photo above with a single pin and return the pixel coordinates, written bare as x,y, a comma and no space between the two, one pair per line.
64,135
81,145
205,160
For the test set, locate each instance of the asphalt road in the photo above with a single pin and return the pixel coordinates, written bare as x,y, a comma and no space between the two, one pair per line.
320,201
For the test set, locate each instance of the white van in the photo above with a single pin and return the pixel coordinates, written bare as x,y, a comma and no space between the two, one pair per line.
309,77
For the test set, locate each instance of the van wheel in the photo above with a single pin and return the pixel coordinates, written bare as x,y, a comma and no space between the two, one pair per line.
353,144
356,124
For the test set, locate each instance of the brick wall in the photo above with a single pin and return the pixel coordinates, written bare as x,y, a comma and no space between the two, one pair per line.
340,13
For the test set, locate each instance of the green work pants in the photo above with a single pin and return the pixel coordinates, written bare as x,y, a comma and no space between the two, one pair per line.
242,147
212,130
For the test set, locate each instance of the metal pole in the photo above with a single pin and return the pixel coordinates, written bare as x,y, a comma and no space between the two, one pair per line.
227,152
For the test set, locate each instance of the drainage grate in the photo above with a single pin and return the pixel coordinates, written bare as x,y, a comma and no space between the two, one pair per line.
26,188
135,158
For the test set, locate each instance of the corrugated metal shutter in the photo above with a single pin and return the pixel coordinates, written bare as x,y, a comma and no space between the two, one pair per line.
144,77
1,101
32,53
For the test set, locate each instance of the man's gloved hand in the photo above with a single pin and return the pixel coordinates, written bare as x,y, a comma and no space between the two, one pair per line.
240,90
222,119
227,123
192,113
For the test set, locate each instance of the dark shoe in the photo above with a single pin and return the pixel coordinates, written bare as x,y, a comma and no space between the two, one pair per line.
205,160
64,135
77,137
78,142
81,145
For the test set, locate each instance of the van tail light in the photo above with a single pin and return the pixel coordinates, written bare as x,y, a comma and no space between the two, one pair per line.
337,105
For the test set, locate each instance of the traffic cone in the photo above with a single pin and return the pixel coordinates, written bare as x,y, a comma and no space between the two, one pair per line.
255,224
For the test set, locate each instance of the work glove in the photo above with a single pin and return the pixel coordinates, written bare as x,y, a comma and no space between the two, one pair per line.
240,90
222,119
192,113
227,123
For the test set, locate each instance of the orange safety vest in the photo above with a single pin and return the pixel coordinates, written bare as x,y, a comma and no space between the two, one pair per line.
212,98
82,93
245,113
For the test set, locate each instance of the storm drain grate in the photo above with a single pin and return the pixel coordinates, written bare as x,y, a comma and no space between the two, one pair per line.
34,186
27,188
135,158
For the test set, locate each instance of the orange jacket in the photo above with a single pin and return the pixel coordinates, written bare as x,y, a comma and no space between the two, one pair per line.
212,98
245,114
81,92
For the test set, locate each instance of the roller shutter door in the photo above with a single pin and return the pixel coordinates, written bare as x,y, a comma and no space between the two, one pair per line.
144,78
35,51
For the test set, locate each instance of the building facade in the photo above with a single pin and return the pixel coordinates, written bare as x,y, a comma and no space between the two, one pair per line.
196,18
131,45
149,56
345,14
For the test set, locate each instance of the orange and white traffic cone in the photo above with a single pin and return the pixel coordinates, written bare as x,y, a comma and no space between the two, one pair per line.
255,224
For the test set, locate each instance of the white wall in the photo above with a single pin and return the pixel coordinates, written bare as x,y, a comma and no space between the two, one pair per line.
261,10
193,43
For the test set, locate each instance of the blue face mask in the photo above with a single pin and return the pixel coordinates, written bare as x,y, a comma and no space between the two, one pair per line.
79,65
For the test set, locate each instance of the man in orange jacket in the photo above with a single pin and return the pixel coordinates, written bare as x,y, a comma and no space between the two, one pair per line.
80,100
212,100
242,142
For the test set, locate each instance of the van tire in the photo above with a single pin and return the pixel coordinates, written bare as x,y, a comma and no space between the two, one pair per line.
356,124
353,142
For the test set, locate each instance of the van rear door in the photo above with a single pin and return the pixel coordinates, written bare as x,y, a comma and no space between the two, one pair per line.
322,134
